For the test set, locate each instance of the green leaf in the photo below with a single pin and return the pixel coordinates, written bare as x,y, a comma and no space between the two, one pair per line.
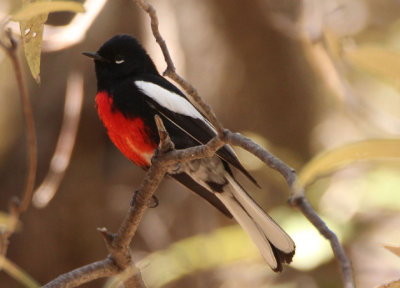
17,273
32,17
328,161
34,9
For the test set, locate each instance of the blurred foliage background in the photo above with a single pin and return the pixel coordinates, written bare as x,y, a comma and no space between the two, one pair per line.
298,77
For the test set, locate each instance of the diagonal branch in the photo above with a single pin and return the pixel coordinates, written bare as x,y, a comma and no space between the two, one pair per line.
340,255
82,275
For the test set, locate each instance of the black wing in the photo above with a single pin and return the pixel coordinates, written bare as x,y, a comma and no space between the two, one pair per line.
197,129
188,182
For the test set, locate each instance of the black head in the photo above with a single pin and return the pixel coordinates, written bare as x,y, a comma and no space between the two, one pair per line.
120,57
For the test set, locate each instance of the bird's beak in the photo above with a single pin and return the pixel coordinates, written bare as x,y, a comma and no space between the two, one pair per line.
96,56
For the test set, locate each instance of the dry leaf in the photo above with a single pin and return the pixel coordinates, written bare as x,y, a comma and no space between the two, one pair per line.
380,61
394,284
364,150
32,17
33,9
17,273
393,249
32,34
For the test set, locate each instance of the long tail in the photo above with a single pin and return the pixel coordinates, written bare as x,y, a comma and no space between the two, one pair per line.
274,244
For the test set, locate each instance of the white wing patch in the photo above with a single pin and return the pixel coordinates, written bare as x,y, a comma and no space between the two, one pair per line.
168,99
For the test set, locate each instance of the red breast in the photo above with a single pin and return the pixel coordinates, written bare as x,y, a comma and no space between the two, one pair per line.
130,135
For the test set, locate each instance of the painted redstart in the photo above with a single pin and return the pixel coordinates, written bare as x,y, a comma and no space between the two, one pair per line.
130,93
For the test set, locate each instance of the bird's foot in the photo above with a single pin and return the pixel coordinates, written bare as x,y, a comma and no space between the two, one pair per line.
153,203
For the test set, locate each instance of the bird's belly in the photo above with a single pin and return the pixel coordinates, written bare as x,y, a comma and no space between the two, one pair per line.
134,148
208,172
131,136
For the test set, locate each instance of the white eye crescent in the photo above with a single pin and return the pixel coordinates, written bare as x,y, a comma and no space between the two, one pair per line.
119,61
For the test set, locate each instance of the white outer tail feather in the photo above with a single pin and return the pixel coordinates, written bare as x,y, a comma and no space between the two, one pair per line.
271,229
250,227
261,228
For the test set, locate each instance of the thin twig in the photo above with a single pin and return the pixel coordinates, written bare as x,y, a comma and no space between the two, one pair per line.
11,50
82,275
345,265
272,161
298,199
65,143
171,70
19,206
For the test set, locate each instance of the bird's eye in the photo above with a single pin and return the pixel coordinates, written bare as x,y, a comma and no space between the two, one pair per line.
119,60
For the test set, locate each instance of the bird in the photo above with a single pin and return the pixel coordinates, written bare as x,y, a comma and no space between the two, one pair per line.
130,92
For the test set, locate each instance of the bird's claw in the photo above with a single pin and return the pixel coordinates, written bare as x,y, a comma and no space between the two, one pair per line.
152,204
133,200
155,155
175,169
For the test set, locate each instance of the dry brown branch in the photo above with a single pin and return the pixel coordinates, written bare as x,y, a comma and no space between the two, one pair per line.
118,244
312,216
10,46
82,275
